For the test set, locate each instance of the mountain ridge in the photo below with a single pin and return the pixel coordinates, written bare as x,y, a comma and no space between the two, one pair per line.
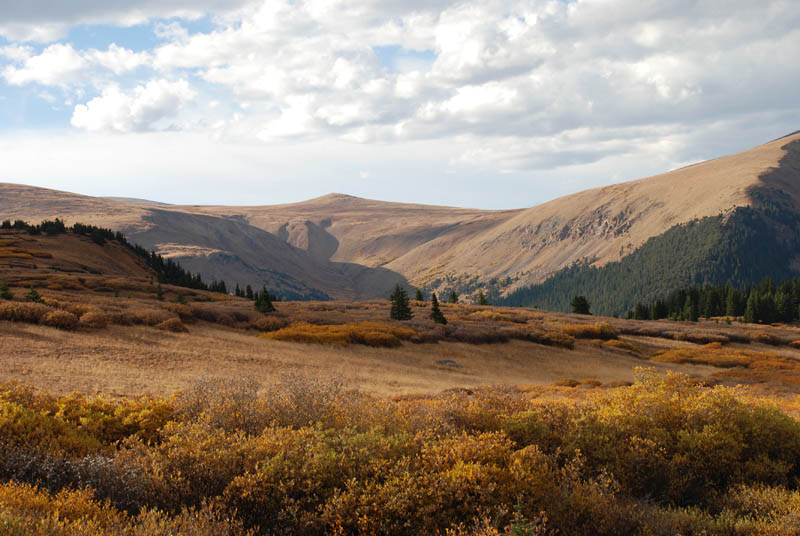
349,247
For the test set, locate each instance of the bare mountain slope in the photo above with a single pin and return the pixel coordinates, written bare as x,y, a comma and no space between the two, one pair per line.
357,248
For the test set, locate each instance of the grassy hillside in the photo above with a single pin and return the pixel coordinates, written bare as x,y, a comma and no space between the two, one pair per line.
742,248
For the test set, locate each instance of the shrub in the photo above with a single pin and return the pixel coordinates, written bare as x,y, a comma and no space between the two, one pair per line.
94,319
624,345
60,319
567,382
600,330
23,311
366,333
172,324
147,317
269,323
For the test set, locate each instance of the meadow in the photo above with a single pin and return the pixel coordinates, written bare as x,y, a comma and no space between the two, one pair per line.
129,407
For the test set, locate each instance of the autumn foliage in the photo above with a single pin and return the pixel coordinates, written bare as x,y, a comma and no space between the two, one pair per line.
664,456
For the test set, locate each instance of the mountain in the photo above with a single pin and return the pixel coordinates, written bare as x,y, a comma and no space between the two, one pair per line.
346,247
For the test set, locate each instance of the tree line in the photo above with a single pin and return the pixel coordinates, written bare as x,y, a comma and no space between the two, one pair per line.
740,248
168,271
763,303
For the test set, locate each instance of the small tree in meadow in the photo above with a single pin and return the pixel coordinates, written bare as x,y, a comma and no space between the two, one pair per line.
34,296
5,294
419,296
452,297
580,305
401,309
482,299
264,302
436,313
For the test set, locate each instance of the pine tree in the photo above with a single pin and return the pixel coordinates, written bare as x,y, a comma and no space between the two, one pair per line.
159,293
401,310
436,313
5,294
419,296
264,302
580,305
452,297
237,291
248,293
33,296
482,300
690,309
751,309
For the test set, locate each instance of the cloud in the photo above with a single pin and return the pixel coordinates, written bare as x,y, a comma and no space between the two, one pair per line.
57,65
61,65
506,85
45,20
142,109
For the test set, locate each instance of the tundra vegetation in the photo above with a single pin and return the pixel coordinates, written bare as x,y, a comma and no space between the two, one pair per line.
665,455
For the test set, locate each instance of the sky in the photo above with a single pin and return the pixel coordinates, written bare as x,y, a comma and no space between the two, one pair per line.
480,103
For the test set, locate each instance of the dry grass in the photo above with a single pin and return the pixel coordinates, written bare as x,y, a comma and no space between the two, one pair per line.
744,365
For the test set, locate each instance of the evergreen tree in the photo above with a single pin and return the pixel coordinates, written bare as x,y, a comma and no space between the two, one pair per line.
482,300
401,310
452,297
641,312
751,310
733,304
784,311
419,296
237,291
580,305
33,296
690,309
264,302
248,293
5,294
159,293
436,313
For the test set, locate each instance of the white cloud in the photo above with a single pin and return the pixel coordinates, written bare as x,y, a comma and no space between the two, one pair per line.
61,65
57,65
47,20
142,109
511,85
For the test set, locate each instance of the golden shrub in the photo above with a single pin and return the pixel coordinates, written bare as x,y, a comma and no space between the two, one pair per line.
94,319
23,311
366,333
599,330
269,323
172,324
60,319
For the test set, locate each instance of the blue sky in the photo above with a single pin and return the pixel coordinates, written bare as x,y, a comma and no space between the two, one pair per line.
491,104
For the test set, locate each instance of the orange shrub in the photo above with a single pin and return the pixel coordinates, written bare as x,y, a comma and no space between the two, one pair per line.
148,317
23,311
60,319
172,324
366,333
269,323
94,319
599,330
624,345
